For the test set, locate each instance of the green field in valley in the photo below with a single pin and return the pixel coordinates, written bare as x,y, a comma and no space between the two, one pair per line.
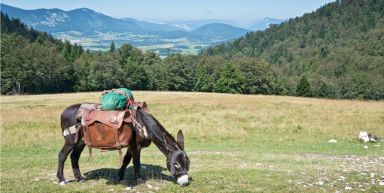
236,143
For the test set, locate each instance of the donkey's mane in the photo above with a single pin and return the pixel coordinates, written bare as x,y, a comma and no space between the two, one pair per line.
162,127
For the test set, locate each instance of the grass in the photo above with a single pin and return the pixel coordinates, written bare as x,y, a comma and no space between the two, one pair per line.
236,143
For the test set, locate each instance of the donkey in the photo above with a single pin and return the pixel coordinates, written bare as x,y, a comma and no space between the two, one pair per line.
176,158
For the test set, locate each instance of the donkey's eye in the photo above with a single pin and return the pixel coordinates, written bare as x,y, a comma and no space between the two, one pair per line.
177,165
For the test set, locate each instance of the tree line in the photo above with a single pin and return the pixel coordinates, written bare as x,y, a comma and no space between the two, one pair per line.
294,59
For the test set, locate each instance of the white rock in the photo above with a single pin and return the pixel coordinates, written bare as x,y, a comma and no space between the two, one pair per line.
128,188
365,147
347,187
363,136
342,178
111,189
320,183
149,186
381,183
332,141
372,175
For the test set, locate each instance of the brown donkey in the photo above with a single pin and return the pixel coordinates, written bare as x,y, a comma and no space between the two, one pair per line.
144,129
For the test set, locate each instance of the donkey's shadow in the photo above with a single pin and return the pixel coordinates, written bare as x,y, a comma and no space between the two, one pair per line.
111,174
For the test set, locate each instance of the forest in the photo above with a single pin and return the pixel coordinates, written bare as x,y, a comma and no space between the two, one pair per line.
334,52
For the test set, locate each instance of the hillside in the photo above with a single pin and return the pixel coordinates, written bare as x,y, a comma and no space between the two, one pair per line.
339,48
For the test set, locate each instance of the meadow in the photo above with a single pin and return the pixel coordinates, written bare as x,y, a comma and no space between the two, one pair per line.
236,143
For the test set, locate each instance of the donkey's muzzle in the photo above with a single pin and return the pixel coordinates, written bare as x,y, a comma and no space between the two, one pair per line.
183,180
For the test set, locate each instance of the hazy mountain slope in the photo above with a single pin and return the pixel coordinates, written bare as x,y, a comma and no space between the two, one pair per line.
264,23
218,31
82,20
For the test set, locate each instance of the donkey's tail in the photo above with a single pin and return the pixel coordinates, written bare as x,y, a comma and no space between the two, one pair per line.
89,153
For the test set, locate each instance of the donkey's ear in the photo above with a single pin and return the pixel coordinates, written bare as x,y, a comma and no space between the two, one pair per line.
180,139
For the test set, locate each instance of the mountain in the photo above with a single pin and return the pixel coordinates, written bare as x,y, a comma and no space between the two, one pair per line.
96,31
262,24
339,47
153,27
190,25
81,20
218,31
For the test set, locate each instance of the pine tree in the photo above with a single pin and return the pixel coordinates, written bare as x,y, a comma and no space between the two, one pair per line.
112,47
303,88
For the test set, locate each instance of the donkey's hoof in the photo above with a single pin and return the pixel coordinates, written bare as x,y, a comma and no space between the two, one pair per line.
139,181
63,183
81,179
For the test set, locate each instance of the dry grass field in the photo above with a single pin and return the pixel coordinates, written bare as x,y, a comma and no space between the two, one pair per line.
236,143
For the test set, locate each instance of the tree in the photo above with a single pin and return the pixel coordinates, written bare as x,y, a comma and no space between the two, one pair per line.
303,88
112,48
230,80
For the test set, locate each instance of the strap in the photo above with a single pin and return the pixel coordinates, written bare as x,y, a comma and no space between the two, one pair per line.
71,130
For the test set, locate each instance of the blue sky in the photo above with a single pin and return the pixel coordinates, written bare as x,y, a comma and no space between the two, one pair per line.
241,11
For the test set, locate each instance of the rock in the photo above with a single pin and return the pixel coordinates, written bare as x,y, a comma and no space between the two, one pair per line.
365,147
363,136
320,183
372,175
332,141
367,137
348,187
381,183
111,189
149,186
128,188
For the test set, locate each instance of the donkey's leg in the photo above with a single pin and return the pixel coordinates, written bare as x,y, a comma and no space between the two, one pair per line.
136,165
75,156
63,154
127,159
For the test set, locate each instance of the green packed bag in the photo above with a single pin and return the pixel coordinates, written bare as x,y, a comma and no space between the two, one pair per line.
113,101
129,92
116,99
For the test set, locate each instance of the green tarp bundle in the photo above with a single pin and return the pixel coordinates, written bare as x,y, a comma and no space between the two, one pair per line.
115,99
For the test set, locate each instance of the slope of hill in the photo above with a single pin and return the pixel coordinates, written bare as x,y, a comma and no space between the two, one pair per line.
339,47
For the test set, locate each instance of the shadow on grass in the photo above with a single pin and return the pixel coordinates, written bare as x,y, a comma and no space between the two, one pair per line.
111,174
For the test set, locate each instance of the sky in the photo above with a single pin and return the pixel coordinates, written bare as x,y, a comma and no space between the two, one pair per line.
240,11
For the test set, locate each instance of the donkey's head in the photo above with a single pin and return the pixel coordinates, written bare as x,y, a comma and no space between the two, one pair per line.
177,159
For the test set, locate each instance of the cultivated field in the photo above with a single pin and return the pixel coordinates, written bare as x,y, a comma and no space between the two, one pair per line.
236,143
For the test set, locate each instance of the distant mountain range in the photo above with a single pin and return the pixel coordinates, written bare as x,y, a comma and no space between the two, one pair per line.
95,30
